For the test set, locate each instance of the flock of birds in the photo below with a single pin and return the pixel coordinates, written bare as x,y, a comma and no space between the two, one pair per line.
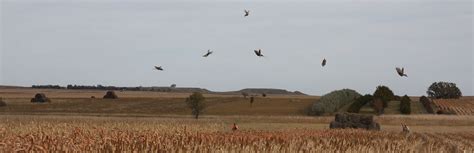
400,71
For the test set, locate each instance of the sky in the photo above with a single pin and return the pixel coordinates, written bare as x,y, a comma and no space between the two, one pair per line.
118,42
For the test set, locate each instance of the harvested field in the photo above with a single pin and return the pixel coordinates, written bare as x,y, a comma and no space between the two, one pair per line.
27,133
459,106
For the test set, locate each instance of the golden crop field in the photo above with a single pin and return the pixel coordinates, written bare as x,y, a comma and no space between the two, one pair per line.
160,122
113,134
458,106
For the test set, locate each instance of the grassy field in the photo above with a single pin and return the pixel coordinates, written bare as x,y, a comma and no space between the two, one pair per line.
160,122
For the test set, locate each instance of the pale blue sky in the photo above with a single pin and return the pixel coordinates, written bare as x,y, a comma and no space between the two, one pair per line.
118,43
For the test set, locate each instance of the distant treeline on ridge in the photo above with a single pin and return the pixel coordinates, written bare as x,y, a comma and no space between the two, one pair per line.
172,88
101,87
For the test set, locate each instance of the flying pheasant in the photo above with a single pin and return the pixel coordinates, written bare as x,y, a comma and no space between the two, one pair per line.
209,52
258,52
246,13
323,63
159,68
401,72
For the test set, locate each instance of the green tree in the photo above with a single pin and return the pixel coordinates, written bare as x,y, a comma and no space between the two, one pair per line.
444,90
385,94
405,105
359,103
197,103
333,101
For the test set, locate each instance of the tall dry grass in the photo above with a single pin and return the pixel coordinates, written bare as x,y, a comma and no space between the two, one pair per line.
86,134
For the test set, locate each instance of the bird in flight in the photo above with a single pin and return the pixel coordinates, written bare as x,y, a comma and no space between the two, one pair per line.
209,52
258,52
323,63
401,72
159,68
246,13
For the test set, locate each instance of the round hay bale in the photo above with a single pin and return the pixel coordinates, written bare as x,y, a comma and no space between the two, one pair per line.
341,117
366,119
40,98
350,120
110,95
335,125
374,126
354,118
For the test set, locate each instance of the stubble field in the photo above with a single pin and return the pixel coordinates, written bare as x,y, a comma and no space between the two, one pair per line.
159,122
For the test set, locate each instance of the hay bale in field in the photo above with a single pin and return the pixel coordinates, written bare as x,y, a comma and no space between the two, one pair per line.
40,98
110,95
357,121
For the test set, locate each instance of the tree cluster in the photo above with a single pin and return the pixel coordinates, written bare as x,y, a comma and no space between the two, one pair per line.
385,94
359,103
47,87
334,100
444,90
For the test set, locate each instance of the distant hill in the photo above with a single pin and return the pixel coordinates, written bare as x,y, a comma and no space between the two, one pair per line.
253,91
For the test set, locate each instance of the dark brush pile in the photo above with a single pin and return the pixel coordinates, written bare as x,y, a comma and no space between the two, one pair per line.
110,95
356,121
40,98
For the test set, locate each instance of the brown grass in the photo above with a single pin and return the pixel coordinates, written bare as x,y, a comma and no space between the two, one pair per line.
103,134
459,106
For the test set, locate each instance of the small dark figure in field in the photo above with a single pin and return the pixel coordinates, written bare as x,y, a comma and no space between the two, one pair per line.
401,72
235,127
247,12
209,52
92,97
405,128
264,95
159,68
323,63
251,100
258,53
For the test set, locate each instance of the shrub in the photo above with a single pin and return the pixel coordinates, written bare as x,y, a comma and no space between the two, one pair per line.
405,105
427,104
385,94
196,103
334,100
359,103
444,90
